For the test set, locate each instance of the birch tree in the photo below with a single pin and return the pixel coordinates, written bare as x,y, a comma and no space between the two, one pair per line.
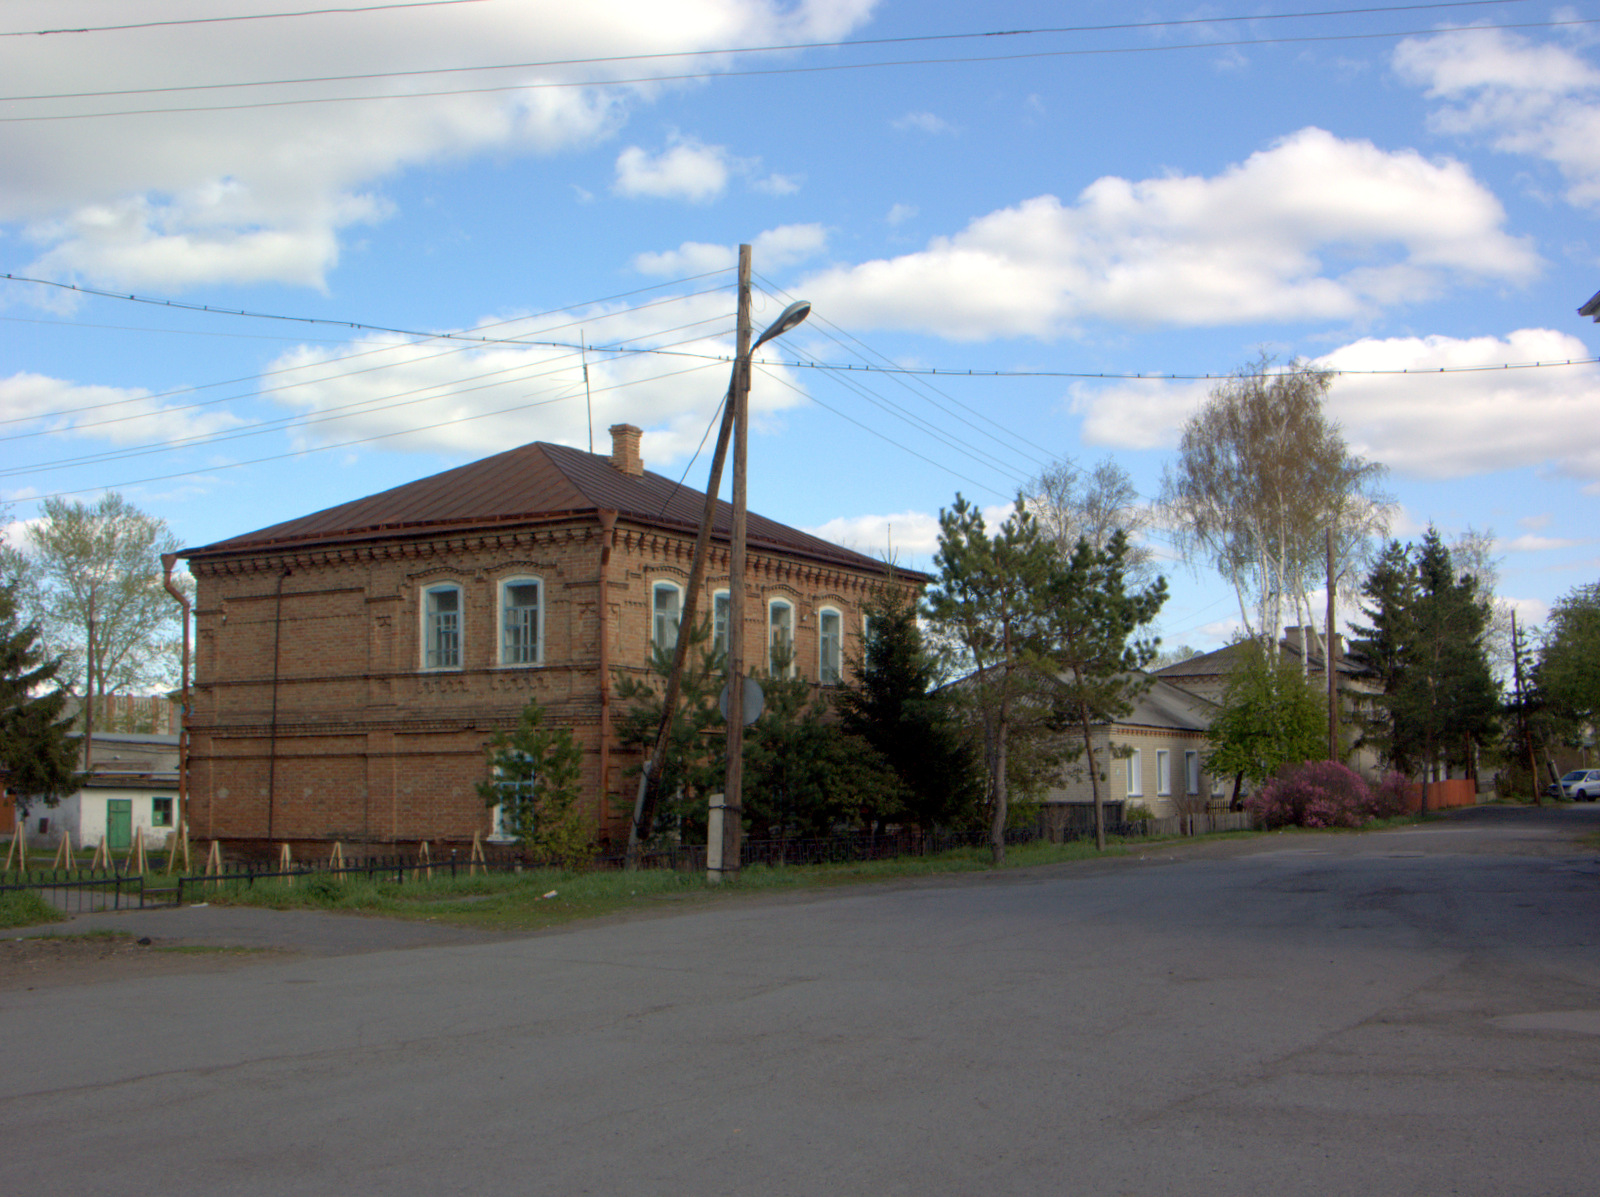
1261,478
1093,505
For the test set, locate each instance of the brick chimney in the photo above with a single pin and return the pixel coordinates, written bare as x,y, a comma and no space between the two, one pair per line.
625,449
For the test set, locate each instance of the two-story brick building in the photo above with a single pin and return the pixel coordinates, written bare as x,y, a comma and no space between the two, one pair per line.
351,665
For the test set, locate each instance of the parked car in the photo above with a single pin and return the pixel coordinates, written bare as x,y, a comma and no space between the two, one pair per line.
1581,785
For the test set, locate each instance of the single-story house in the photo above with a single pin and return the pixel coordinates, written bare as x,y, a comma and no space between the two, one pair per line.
130,788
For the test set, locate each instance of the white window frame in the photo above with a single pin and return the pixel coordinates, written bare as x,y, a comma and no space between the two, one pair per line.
1191,771
1135,763
497,813
835,666
430,639
538,620
866,627
1163,773
656,637
773,606
721,613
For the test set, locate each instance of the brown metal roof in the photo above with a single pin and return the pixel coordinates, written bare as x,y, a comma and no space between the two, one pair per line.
532,483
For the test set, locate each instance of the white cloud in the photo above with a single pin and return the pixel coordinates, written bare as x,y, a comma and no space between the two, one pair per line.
1534,523
1453,425
900,213
266,194
481,399
1313,228
777,184
1531,612
923,122
908,535
1538,100
687,169
1423,423
121,415
1534,544
771,250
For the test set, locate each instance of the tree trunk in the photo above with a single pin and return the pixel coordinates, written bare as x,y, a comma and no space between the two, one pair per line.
1094,780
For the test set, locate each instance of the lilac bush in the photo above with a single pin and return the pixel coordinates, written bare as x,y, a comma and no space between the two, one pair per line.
1314,794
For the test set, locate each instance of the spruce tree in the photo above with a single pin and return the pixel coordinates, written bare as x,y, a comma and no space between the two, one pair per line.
37,758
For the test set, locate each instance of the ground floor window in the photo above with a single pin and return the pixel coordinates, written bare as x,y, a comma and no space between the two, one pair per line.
161,812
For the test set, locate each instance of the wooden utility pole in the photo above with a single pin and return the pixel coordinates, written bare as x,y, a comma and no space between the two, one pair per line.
644,805
1330,655
88,709
733,806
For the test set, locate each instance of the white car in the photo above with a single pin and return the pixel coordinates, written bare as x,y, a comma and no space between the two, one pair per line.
1581,785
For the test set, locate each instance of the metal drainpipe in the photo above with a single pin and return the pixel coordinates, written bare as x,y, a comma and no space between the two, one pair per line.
272,743
608,533
168,560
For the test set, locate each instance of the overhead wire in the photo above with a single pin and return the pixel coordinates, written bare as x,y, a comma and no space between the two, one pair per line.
352,410
781,48
693,76
260,16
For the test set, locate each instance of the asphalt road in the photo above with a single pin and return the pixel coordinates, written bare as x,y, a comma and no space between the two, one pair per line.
1396,1013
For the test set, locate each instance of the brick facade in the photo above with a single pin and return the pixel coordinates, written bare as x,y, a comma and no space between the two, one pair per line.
315,718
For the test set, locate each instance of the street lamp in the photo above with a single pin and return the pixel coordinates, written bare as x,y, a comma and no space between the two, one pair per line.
732,806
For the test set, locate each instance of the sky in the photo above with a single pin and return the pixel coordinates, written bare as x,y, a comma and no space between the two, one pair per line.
1072,212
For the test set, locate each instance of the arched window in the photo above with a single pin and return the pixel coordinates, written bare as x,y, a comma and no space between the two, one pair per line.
666,602
830,647
780,638
441,627
522,621
721,605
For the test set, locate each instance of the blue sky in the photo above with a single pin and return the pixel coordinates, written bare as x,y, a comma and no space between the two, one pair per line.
1170,199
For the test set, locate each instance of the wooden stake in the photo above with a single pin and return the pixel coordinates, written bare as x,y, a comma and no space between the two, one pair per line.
180,847
18,850
64,851
476,858
335,858
285,862
135,865
102,855
214,860
424,859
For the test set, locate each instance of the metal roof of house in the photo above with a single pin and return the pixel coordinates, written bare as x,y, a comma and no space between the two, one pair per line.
530,484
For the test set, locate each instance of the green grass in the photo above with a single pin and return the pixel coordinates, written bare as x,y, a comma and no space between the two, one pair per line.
23,908
519,902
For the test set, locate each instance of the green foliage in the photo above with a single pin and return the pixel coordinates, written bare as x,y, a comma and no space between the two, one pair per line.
804,775
1269,718
25,908
989,599
1089,621
1426,647
534,778
1568,672
695,758
106,556
895,706
38,759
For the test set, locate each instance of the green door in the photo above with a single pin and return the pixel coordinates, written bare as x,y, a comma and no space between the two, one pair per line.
119,824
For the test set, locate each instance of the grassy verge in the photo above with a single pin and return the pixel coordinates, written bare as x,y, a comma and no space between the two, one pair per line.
547,898
22,908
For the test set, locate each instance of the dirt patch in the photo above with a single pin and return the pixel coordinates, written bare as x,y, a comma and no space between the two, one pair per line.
48,961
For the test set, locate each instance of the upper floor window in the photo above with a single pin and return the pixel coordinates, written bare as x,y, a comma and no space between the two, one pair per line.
721,605
441,627
780,638
521,621
666,602
830,647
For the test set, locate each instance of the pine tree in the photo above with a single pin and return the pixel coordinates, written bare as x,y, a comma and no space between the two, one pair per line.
895,707
36,757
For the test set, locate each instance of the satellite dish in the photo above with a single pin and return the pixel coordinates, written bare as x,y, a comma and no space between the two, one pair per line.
754,701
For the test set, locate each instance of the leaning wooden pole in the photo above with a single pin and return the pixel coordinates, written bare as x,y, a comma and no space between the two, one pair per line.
642,805
168,560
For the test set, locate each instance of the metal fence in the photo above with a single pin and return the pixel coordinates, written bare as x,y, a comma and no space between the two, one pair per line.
79,891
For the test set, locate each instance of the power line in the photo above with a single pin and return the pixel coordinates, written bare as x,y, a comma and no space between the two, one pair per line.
343,444
692,76
1119,27
261,16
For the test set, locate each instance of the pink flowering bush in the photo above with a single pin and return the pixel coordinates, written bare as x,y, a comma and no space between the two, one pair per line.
1389,796
1314,794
